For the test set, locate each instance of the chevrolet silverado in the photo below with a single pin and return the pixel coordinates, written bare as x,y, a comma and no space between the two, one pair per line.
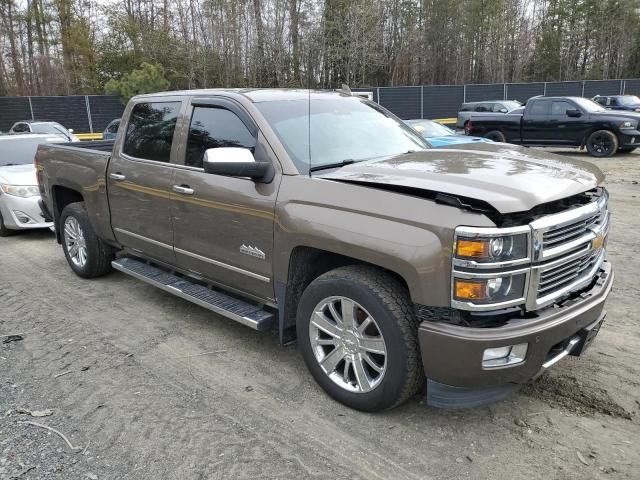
322,217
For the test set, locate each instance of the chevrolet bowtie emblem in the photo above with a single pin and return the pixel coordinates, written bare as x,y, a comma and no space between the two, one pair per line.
597,242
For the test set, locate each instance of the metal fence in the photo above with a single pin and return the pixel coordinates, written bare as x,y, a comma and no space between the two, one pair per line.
92,113
443,101
82,113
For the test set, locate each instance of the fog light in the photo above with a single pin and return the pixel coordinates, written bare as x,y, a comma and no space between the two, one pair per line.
23,217
504,356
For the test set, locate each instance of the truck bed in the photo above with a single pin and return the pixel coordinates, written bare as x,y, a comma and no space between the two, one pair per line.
65,170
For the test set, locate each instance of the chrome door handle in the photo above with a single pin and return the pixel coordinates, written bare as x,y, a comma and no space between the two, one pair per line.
183,190
117,177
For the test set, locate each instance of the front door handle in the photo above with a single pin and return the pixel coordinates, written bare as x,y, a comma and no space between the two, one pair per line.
183,189
118,177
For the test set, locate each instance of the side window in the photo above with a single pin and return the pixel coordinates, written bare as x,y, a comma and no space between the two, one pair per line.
559,109
21,127
113,127
540,108
482,108
150,130
212,128
497,107
464,108
612,101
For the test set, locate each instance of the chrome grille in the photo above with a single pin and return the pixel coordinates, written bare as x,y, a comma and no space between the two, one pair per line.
558,276
567,233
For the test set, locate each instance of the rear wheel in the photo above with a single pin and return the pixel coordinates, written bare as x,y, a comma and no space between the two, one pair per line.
602,143
87,255
359,337
467,129
496,136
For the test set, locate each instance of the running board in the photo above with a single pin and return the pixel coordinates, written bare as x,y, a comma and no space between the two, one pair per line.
243,312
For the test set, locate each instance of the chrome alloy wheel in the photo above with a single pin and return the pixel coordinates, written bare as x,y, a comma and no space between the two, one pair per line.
348,344
75,242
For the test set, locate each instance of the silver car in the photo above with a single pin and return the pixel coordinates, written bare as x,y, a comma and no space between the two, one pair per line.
44,126
498,107
19,193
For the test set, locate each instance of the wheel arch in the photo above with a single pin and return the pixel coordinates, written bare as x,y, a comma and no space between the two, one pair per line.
307,263
62,196
595,129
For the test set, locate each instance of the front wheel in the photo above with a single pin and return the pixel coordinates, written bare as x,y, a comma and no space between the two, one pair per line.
87,255
602,143
359,338
496,136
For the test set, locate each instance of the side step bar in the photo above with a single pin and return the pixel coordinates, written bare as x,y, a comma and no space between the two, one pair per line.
243,312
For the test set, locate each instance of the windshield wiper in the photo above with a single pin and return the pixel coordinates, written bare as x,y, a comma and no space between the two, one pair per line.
332,165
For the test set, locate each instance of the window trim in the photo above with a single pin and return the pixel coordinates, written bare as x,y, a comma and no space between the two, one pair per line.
222,103
127,115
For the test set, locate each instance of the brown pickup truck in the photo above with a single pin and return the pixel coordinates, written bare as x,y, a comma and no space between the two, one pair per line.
323,217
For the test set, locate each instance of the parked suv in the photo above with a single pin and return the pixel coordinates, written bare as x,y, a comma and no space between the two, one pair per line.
619,102
324,217
489,106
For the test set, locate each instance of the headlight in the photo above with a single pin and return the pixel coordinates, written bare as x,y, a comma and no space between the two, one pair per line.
627,125
490,267
23,191
492,290
472,245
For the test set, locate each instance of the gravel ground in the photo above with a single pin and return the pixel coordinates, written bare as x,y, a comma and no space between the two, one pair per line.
148,386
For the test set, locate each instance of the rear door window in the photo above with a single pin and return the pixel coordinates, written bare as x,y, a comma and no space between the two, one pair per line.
149,132
213,128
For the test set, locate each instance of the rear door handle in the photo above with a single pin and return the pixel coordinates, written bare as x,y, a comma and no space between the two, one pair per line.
118,177
183,189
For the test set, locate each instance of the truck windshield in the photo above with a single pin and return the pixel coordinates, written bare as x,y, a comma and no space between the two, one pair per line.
328,130
588,105
629,100
512,105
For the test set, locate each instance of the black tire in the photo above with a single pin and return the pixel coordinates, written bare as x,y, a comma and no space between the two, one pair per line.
467,130
4,231
98,254
496,136
626,150
387,301
602,143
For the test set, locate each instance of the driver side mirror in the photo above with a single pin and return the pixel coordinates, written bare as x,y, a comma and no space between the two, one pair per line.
574,113
237,162
503,110
71,130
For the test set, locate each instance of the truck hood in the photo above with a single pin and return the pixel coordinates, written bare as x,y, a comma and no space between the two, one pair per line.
508,177
19,175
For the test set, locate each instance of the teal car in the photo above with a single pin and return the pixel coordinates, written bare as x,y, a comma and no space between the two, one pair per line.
440,136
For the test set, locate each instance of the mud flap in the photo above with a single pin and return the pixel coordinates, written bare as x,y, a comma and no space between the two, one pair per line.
448,397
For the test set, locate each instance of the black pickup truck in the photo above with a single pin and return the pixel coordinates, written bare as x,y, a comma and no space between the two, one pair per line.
563,122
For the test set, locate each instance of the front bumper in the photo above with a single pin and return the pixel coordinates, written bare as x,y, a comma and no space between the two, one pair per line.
22,213
452,354
629,139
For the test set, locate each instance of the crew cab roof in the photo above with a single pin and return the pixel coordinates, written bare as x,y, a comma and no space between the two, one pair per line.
255,95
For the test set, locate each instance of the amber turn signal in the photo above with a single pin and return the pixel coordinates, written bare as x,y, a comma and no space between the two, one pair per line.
470,290
472,248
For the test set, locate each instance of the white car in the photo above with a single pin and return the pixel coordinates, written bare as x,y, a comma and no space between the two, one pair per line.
19,193
45,127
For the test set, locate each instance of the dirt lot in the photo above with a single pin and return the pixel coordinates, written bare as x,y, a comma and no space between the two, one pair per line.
149,386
